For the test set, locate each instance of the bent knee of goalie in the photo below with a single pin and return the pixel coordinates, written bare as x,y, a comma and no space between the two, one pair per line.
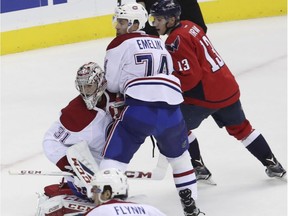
240,131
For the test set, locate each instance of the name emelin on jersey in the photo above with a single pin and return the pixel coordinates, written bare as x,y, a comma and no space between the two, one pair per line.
149,44
120,210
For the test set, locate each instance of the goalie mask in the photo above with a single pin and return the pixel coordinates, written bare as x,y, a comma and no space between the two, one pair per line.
110,177
131,12
91,83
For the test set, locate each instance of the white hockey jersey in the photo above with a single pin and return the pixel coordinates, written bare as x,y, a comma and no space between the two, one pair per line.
139,66
118,207
75,124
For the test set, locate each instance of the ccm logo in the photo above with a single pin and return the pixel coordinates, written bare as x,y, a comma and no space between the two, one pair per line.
79,207
138,174
81,171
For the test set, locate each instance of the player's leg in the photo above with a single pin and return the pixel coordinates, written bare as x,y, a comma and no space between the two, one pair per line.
233,118
172,141
193,116
127,135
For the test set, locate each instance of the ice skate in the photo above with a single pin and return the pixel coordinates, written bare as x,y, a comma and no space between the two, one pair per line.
202,172
274,168
188,203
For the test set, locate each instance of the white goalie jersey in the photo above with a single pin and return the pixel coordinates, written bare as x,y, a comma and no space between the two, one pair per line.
75,124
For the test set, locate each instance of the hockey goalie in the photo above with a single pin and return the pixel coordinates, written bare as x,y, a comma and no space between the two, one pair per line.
74,142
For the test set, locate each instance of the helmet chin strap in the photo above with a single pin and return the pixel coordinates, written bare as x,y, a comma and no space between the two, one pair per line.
130,25
128,29
101,200
169,29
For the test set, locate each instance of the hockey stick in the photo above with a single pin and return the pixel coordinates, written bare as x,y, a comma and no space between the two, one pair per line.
130,174
84,166
158,173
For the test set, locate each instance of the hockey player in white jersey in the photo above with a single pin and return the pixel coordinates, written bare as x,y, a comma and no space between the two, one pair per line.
139,67
110,189
85,118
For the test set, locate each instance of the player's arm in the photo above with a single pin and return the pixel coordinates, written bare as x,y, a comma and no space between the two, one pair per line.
113,68
185,62
56,142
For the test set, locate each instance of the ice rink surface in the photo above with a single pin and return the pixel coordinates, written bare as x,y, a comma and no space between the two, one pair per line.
36,85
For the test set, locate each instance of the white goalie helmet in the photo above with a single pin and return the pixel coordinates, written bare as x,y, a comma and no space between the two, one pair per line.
131,12
112,177
91,83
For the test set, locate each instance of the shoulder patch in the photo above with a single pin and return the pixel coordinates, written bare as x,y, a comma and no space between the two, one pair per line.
75,116
174,45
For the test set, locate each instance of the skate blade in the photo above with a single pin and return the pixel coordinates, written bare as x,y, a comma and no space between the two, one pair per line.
208,181
283,178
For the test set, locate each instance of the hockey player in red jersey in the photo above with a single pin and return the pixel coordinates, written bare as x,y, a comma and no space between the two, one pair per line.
190,11
209,87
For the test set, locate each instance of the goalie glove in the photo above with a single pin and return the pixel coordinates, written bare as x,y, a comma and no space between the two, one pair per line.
65,166
73,182
84,165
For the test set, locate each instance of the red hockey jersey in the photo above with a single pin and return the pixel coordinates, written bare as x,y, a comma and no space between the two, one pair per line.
205,78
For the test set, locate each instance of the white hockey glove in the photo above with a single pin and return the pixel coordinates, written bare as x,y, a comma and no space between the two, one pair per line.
83,164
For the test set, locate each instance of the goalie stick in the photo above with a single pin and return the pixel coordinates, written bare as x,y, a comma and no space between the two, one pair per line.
158,173
131,174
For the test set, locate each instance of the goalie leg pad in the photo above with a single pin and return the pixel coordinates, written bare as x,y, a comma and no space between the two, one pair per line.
63,205
57,189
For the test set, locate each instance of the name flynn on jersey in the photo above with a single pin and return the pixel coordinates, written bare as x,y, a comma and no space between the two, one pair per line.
126,210
149,44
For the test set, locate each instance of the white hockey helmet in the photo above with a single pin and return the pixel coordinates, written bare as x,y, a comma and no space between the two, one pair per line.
131,12
112,177
91,83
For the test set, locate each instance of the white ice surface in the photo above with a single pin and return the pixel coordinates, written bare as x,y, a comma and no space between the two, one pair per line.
35,85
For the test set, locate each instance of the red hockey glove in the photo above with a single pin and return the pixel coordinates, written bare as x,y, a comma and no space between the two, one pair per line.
117,106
